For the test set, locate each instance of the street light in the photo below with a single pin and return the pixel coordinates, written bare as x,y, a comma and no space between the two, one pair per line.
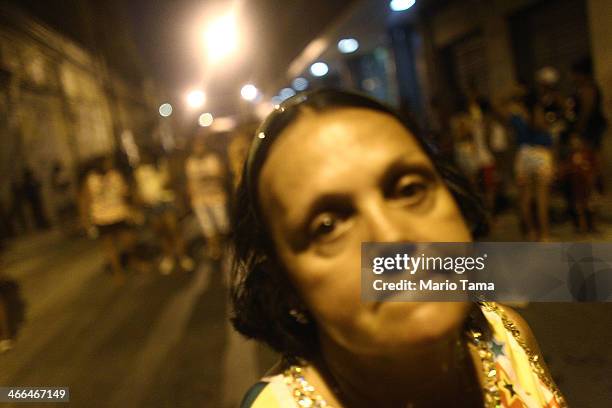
221,37
165,110
205,119
195,99
401,5
249,92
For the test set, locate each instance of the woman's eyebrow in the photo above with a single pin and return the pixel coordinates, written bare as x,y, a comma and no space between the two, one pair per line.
402,166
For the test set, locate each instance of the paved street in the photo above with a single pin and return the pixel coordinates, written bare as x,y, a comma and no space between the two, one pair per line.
156,341
164,341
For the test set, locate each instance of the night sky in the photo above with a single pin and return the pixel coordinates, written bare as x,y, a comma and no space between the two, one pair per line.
160,38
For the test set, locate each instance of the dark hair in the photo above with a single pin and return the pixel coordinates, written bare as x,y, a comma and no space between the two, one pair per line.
261,292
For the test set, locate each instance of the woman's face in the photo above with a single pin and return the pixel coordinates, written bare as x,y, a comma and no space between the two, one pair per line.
335,180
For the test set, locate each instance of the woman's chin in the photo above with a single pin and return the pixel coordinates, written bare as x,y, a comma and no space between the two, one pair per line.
400,324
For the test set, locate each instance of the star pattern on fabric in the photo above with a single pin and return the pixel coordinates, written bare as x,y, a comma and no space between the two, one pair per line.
509,396
497,348
510,389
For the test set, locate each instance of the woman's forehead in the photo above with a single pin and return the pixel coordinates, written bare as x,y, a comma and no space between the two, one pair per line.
341,130
330,150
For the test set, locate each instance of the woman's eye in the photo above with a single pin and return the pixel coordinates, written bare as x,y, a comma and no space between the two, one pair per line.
410,188
325,226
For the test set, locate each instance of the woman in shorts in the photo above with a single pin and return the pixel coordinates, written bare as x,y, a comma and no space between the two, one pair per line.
534,168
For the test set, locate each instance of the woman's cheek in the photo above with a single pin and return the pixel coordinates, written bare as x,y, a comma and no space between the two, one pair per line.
330,285
448,222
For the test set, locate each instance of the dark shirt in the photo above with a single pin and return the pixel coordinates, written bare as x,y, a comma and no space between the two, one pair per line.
526,135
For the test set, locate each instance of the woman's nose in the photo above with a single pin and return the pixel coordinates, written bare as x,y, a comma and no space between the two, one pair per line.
385,224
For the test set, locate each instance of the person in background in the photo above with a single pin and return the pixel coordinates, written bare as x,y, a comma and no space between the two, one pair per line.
480,132
464,146
578,170
534,168
589,120
31,192
471,130
500,148
106,212
17,212
551,100
64,205
208,196
152,179
6,227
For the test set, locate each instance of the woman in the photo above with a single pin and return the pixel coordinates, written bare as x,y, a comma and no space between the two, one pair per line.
152,179
589,120
65,208
327,171
106,212
206,186
534,166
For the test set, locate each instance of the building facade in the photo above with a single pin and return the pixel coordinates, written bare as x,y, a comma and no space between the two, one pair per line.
59,103
437,49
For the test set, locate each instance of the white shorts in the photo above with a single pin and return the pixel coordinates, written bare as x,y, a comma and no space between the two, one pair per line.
533,163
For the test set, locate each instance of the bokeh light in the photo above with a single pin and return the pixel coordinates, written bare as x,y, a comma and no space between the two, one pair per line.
348,45
299,84
319,69
249,92
401,5
286,93
222,37
165,110
196,99
205,119
276,100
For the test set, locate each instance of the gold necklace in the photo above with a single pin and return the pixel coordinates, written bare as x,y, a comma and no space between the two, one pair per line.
306,396
302,391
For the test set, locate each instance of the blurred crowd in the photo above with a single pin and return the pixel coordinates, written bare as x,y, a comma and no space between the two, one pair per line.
142,208
532,142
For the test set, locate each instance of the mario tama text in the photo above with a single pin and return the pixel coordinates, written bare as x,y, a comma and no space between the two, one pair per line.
433,285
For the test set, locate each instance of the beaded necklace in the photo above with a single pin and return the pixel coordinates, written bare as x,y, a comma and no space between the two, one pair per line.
306,396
